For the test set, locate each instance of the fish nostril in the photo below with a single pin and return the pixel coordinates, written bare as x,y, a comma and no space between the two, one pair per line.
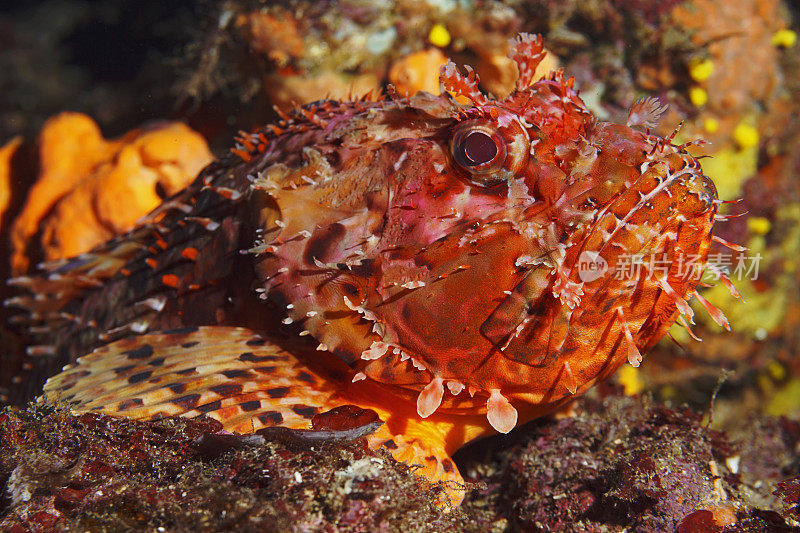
711,188
705,190
699,186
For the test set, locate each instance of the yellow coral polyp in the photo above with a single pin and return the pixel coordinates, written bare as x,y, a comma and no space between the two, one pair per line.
745,136
776,370
784,38
631,380
439,36
759,225
711,125
700,69
698,96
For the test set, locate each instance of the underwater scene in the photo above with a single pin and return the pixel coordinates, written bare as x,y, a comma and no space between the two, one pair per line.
400,265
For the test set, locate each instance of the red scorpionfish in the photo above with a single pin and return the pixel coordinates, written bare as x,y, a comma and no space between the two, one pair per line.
431,255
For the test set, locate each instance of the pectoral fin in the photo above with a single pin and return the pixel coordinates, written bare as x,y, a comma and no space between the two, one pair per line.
248,383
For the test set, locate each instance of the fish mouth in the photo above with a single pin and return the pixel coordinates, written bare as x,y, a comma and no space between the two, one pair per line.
667,225
655,214
680,184
634,265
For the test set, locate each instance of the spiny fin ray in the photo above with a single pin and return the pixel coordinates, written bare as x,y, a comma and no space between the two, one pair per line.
527,51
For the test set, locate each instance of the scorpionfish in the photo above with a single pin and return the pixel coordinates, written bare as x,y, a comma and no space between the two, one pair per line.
425,257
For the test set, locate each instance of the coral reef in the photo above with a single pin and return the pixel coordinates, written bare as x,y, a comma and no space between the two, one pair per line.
100,473
643,468
621,464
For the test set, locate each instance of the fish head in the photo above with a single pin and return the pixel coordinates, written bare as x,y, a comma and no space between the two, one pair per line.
518,248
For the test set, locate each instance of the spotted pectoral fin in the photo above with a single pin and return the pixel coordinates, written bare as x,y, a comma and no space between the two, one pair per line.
230,374
248,382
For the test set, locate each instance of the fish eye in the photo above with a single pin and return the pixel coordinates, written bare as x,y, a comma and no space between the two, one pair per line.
480,150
